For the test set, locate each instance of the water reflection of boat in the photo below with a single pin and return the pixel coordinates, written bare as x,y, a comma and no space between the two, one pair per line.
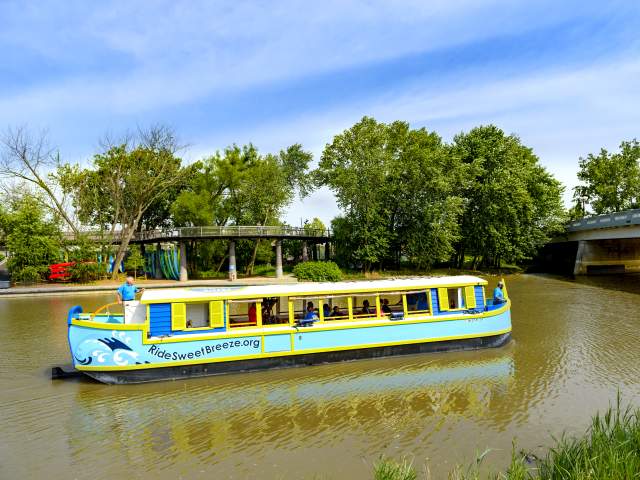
178,333
240,412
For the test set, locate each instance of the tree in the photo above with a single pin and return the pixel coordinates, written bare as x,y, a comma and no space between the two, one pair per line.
211,195
397,188
32,236
241,187
30,161
124,181
512,204
610,181
270,185
135,260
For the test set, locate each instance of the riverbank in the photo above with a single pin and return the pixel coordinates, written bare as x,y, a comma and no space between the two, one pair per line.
610,448
48,289
107,285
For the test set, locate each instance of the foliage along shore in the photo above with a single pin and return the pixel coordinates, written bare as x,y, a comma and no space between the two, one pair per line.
609,449
406,196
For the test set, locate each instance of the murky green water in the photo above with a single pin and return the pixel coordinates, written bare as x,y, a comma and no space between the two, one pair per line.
575,345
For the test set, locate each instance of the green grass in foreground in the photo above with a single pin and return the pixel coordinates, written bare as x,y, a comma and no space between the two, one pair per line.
610,449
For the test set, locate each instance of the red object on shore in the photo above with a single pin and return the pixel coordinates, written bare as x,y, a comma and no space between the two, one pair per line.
58,271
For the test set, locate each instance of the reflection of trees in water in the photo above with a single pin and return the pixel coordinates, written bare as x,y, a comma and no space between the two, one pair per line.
248,414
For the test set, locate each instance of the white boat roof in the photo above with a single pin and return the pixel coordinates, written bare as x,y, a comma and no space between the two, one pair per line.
166,295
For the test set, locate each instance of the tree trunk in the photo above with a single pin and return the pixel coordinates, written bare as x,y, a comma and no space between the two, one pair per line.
224,257
253,258
124,244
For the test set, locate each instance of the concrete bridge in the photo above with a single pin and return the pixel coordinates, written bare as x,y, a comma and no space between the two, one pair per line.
599,244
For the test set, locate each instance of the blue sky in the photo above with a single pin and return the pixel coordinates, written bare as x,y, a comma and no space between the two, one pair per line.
563,75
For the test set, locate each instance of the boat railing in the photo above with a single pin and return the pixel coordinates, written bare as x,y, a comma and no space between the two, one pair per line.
104,311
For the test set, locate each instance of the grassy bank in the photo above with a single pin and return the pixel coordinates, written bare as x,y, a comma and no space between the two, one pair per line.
609,449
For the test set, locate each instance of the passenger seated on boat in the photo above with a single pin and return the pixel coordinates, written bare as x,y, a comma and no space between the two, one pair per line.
336,311
326,310
452,304
252,313
422,302
311,314
498,294
412,301
385,306
366,310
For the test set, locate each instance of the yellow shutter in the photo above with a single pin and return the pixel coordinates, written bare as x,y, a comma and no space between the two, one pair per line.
178,316
470,297
216,314
443,299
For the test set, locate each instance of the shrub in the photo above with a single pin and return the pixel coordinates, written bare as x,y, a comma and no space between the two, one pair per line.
318,271
29,274
84,272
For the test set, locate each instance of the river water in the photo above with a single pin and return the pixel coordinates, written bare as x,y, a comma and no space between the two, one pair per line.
575,346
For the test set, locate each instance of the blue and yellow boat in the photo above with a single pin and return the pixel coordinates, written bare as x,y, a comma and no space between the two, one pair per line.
190,332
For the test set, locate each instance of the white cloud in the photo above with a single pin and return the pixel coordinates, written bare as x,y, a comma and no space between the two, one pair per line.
181,52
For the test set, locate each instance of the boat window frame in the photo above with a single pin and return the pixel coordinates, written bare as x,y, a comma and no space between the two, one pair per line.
247,324
412,313
366,316
464,292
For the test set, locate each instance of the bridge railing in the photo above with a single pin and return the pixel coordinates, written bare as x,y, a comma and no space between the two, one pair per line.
212,231
232,231
618,219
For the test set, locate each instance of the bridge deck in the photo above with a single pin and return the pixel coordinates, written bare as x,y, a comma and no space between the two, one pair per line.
217,232
611,220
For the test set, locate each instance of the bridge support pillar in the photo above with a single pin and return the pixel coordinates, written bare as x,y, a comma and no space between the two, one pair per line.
233,275
184,275
305,252
279,273
579,268
156,258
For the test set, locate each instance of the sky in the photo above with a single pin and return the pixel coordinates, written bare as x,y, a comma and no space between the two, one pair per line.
562,75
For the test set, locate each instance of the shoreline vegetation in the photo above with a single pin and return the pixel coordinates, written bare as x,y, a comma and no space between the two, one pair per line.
267,275
609,449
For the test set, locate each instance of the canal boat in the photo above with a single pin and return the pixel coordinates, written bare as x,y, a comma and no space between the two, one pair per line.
189,332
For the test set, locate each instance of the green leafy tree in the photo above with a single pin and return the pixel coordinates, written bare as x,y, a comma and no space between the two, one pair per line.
32,236
610,181
211,195
512,204
241,187
124,181
135,260
397,189
270,185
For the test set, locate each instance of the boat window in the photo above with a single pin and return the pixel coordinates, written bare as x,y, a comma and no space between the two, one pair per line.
301,307
197,315
275,311
417,303
338,308
244,313
390,302
457,298
364,306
